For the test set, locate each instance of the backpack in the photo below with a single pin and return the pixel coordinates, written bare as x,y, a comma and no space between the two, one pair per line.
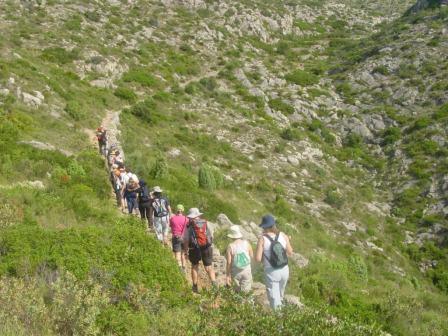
144,195
200,234
101,136
278,258
241,259
160,207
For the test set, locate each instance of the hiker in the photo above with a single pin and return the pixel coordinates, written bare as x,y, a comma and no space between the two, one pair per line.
144,202
124,178
101,136
160,214
198,242
117,184
273,249
178,225
239,254
130,194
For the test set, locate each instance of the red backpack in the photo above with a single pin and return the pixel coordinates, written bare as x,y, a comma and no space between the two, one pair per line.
200,234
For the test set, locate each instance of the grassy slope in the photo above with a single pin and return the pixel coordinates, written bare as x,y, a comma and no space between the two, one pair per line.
76,196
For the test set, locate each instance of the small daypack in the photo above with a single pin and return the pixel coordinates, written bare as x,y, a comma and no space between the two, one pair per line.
160,207
278,258
200,234
241,259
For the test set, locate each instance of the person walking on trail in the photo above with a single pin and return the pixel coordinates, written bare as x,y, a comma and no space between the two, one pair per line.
273,249
126,193
198,242
239,254
178,225
144,202
160,214
130,193
101,136
118,186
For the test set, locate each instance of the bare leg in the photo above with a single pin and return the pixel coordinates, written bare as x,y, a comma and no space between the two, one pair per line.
194,274
178,257
211,273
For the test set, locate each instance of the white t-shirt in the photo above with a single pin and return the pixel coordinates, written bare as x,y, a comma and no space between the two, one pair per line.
267,247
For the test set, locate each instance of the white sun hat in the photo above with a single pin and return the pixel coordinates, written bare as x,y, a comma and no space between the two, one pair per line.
235,232
193,213
157,189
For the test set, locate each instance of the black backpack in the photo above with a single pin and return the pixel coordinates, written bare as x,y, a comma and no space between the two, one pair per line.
278,258
144,194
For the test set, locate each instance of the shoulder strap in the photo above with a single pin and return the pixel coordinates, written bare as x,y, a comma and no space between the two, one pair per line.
269,237
276,236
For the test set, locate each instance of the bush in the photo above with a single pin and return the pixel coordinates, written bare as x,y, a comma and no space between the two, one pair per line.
391,135
279,105
125,94
144,110
159,169
75,110
291,134
141,76
60,55
302,78
121,252
333,198
442,112
206,177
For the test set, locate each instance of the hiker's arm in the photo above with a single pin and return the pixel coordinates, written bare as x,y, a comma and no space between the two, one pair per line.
288,246
229,266
259,252
186,241
251,251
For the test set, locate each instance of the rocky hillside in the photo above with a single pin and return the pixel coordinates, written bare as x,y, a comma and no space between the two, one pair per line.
332,115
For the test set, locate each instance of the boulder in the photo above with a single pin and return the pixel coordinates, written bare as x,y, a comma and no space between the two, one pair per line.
299,260
223,221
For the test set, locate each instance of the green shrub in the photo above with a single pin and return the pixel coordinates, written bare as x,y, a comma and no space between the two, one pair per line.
333,198
141,76
75,110
291,134
125,94
60,55
302,77
442,112
381,69
143,110
206,177
279,105
391,135
121,252
160,168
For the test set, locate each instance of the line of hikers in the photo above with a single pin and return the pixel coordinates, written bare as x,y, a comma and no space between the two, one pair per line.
191,237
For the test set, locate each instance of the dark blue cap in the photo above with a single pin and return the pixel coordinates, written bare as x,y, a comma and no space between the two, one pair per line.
267,221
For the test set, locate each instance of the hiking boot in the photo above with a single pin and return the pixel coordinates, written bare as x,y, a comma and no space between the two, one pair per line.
182,269
195,288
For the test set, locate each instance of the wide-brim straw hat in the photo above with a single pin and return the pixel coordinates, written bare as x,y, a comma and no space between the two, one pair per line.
235,232
193,213
157,189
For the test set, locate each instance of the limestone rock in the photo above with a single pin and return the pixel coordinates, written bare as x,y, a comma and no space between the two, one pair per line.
299,260
32,100
223,221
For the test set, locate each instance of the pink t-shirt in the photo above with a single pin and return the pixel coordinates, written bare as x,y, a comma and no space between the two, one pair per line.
177,224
